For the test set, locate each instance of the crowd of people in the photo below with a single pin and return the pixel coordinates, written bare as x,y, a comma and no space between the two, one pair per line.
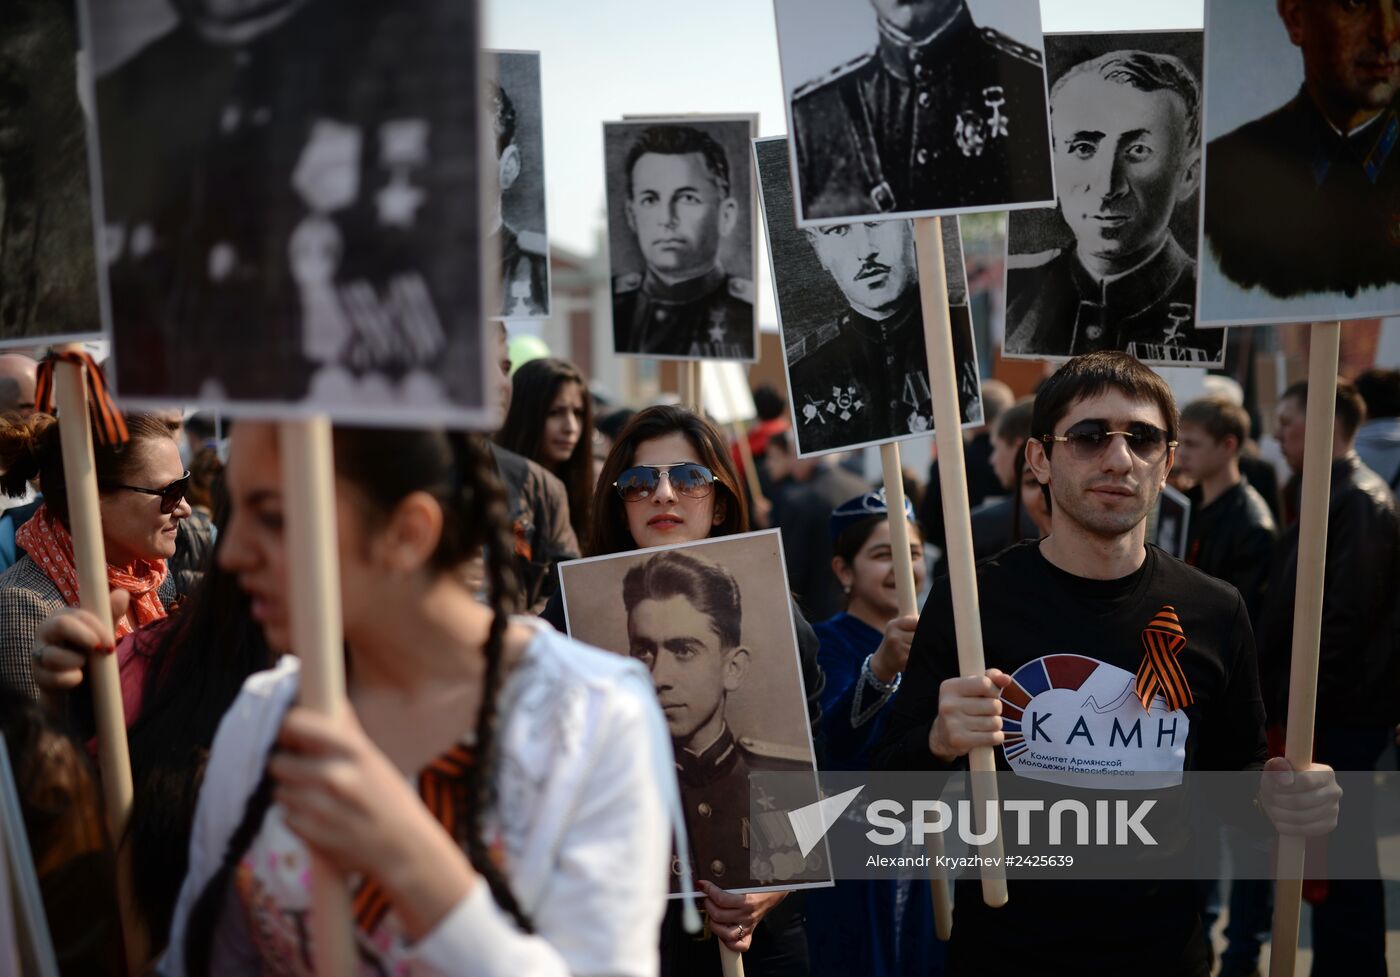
505,800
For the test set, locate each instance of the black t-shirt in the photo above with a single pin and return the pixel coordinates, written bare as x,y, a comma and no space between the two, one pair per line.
1074,646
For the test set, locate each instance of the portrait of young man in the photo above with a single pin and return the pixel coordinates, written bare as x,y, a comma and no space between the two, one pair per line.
943,115
1113,267
517,219
684,622
1139,640
48,277
680,238
288,220
1302,182
852,322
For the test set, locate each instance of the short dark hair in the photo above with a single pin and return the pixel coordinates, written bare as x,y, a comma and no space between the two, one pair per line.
1351,409
1013,425
502,116
1092,374
1380,389
1219,417
768,402
680,141
1147,72
711,588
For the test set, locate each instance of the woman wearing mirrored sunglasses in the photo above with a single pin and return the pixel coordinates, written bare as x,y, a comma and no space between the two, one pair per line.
669,479
141,493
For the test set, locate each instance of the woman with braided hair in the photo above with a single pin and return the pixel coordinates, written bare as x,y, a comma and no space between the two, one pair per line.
497,795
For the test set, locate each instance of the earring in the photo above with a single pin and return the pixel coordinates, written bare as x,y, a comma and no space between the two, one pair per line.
846,589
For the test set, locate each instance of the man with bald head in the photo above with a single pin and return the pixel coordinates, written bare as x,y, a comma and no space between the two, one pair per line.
1307,198
18,377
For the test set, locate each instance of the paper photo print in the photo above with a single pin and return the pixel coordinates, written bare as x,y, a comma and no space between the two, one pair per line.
1301,195
852,324
48,273
292,208
517,218
909,108
712,622
681,237
1113,266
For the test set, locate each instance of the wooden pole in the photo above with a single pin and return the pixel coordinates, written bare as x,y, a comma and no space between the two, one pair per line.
1307,623
731,963
741,436
94,596
308,486
909,604
962,570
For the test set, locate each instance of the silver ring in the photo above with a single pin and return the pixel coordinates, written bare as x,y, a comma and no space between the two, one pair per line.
740,936
37,654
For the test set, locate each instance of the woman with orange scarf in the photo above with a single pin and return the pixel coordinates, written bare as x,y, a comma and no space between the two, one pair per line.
141,487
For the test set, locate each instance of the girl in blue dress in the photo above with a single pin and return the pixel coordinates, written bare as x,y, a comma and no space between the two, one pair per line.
883,927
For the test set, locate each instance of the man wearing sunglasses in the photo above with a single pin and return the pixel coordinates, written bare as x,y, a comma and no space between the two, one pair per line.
1159,652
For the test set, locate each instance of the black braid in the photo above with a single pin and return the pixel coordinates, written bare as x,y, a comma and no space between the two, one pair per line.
209,907
486,501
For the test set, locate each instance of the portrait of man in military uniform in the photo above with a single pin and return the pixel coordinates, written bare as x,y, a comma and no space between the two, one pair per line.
1302,172
1114,266
680,234
852,322
517,219
292,207
48,276
936,112
701,618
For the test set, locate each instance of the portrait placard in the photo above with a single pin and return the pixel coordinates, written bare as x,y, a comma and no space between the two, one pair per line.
681,229
48,273
517,221
1173,521
292,205
852,324
712,621
1300,200
914,108
1113,266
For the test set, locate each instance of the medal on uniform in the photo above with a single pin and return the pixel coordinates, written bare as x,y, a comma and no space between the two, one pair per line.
972,131
844,402
1180,314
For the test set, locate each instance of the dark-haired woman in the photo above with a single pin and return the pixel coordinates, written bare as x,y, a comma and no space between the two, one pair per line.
551,422
877,927
141,491
497,796
669,479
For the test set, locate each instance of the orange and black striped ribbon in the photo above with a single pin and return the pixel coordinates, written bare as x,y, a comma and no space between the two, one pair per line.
1160,672
443,787
108,425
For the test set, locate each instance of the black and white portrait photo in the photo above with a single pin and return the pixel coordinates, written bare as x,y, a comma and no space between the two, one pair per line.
1114,265
681,237
852,324
712,623
292,206
914,107
48,275
1301,210
517,220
